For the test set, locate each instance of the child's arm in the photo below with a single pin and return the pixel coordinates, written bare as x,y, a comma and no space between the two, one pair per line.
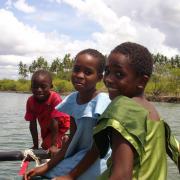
179,159
41,170
122,157
54,135
85,163
34,133
59,156
172,146
87,160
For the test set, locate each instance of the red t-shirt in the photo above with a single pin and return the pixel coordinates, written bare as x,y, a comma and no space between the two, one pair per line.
45,112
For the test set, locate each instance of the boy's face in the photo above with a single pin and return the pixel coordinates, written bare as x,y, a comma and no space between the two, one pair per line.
40,87
120,78
84,75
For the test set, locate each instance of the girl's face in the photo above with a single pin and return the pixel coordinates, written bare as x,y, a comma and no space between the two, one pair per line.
40,87
120,78
85,75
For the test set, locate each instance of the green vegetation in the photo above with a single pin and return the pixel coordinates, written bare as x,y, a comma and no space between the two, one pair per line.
165,80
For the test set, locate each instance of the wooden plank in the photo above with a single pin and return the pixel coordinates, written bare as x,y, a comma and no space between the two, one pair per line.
11,155
19,155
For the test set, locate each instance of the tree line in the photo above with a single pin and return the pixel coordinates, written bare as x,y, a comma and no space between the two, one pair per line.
165,79
63,67
59,67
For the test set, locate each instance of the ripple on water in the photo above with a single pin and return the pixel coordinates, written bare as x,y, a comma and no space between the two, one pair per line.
14,131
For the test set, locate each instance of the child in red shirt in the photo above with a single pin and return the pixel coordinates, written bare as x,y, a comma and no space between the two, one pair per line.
41,106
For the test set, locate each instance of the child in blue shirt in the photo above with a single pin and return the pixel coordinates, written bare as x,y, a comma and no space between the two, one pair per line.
79,158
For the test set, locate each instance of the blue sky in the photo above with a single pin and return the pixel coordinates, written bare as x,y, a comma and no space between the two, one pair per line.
52,28
50,16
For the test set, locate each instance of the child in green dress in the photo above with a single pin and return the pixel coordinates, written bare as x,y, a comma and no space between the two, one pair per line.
131,125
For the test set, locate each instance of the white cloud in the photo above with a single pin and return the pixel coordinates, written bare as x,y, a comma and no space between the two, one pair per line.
121,22
23,6
154,24
20,42
157,14
58,1
18,38
8,72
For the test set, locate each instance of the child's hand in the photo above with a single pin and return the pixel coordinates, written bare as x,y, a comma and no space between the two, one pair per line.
53,150
34,147
34,172
67,177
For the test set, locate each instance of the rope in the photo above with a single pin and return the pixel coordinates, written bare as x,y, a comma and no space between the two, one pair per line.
29,152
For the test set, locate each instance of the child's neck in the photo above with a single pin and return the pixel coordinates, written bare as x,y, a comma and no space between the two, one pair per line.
85,97
140,96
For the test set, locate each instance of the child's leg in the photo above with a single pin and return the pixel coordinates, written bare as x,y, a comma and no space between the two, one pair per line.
46,142
62,139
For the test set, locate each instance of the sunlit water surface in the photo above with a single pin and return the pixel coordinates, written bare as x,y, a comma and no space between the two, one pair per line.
14,131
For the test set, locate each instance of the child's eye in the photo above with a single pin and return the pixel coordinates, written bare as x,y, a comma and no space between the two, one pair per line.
43,86
76,69
118,74
88,72
34,87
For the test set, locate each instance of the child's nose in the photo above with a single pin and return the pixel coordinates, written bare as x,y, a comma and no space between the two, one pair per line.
39,89
80,74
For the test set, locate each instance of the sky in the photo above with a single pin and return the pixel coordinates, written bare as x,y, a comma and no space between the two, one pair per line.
52,28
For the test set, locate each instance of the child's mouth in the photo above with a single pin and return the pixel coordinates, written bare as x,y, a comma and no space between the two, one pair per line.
78,84
40,95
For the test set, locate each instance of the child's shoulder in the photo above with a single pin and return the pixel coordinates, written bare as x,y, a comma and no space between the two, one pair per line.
103,95
148,106
123,106
71,96
101,99
126,102
70,99
54,98
100,102
30,99
54,94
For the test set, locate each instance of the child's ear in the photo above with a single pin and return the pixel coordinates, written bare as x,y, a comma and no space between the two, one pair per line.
143,81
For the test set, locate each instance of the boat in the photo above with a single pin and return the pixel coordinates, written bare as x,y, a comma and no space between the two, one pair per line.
20,155
37,155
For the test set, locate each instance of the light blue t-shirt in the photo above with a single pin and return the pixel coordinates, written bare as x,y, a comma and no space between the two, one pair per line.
86,117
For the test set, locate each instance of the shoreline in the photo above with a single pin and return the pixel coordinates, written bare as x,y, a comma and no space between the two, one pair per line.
167,99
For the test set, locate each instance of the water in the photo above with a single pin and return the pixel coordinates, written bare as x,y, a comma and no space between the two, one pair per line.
14,131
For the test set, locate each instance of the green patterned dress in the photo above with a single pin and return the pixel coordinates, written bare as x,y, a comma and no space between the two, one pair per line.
151,139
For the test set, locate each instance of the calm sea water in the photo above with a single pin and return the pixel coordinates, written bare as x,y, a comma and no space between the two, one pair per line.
14,132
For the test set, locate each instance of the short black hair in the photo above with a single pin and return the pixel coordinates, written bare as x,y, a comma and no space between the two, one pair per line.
95,53
139,56
42,72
